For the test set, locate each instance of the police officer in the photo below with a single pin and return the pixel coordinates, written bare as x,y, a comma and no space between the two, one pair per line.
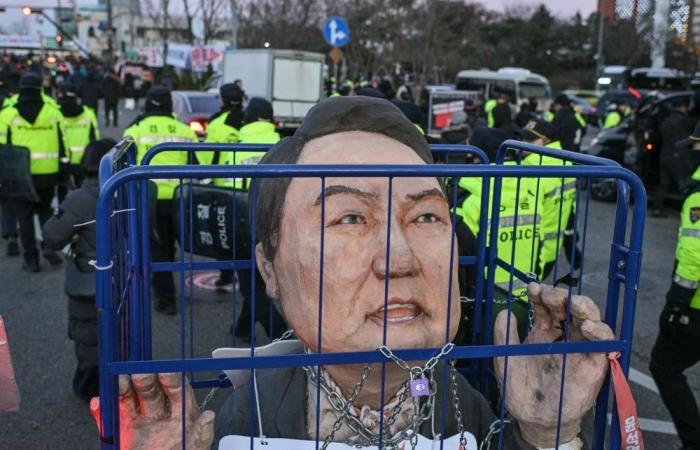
557,218
673,158
518,205
677,346
566,124
258,128
73,223
34,124
616,115
80,128
224,126
155,126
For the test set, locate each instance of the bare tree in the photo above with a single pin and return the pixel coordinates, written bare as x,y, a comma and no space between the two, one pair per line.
211,11
159,13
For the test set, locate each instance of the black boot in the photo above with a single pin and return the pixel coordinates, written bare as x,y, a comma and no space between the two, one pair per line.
86,383
166,306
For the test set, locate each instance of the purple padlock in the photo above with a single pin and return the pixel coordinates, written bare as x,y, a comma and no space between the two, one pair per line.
419,386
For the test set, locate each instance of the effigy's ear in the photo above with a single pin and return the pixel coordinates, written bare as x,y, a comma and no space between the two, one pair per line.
267,270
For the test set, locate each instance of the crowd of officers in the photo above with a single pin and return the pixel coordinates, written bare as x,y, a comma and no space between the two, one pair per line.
63,142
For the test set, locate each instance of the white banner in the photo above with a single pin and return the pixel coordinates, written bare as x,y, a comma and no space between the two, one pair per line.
19,41
178,55
153,56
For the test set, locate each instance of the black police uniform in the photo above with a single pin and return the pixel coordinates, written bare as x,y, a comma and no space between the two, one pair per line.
673,159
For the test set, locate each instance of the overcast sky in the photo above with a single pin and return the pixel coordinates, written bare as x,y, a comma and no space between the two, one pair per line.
562,8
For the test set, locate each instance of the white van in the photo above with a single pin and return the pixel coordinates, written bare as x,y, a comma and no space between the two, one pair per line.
518,84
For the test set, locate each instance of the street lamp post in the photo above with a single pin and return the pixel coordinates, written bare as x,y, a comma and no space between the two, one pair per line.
28,11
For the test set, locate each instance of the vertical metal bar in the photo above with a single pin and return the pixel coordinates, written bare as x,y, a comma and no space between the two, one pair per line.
320,310
253,221
147,235
182,305
613,295
509,308
387,271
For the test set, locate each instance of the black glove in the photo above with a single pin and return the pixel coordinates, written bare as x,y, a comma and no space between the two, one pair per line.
676,316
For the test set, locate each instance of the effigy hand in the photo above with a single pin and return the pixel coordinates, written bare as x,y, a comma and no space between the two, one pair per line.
150,413
534,382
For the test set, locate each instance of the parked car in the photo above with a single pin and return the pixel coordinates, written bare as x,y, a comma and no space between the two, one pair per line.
195,108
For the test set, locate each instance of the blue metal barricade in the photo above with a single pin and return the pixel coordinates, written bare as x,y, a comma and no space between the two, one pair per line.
124,265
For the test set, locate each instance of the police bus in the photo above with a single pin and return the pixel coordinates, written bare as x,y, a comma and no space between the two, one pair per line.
518,84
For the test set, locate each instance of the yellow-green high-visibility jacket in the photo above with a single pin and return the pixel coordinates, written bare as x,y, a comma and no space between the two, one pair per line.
157,129
687,272
549,116
44,138
218,132
488,110
79,131
555,217
526,235
258,132
613,119
580,119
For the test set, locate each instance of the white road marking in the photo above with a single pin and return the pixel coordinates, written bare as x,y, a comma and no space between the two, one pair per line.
654,426
643,380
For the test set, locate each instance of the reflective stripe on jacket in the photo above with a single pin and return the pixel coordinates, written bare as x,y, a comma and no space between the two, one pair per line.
687,272
153,130
523,228
79,131
42,138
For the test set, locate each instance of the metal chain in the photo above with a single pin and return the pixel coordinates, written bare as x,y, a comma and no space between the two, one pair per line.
353,396
494,429
455,404
430,365
208,398
366,436
286,335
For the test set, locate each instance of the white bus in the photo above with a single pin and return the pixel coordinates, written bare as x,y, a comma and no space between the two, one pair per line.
518,84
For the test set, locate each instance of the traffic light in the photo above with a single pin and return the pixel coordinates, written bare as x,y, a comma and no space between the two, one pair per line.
59,40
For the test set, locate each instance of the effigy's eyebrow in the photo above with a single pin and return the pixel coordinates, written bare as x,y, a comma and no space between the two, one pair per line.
435,192
342,189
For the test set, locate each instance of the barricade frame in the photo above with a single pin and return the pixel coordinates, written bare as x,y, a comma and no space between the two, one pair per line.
123,158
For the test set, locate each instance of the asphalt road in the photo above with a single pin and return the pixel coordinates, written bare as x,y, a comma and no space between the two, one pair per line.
34,309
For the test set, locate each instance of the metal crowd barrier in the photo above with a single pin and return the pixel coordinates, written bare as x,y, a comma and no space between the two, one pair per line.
124,266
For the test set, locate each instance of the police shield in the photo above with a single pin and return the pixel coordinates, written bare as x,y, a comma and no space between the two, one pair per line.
15,177
210,212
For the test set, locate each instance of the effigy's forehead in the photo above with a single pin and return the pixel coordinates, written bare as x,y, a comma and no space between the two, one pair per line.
358,147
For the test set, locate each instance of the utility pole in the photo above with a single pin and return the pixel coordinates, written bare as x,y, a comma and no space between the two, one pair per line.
234,25
599,55
110,34
658,42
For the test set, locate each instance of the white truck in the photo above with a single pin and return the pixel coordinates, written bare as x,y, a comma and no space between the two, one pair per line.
291,80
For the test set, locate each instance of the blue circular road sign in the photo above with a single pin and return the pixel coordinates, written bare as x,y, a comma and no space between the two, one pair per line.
336,31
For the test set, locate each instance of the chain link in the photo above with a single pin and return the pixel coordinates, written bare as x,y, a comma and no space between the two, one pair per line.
286,335
494,429
455,404
353,396
417,371
208,398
